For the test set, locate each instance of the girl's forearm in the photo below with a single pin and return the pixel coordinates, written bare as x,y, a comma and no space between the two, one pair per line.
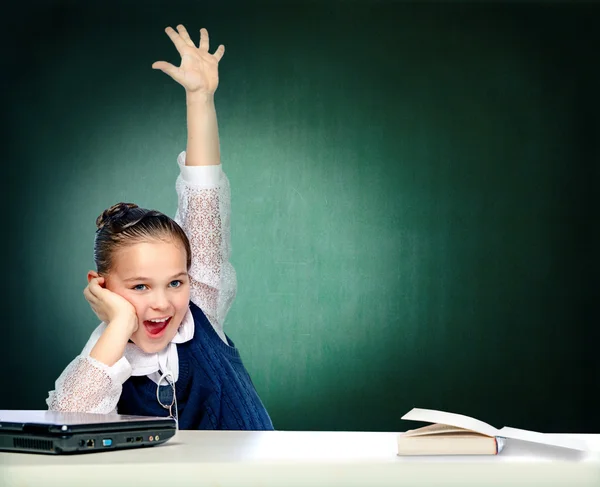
203,132
110,347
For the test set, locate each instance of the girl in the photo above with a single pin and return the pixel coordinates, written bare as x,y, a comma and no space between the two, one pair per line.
162,289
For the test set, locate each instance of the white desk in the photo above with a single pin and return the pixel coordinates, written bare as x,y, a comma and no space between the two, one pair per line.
284,458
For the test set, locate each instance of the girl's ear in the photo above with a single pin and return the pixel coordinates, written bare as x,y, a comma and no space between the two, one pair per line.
92,275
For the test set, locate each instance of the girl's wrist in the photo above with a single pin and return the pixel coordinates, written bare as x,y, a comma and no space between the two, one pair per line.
198,98
110,347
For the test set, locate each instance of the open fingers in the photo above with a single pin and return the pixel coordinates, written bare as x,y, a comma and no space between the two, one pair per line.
185,36
219,52
205,44
165,67
204,39
180,44
168,68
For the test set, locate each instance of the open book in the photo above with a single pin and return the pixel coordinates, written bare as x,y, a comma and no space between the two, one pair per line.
455,434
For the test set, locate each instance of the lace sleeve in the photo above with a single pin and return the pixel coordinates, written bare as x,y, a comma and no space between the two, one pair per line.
203,212
87,385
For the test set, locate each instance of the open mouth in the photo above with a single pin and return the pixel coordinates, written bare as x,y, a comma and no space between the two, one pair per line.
155,328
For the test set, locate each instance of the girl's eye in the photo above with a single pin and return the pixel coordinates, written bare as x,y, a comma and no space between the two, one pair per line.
175,283
139,287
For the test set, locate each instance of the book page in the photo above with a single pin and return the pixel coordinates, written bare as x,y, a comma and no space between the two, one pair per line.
451,419
544,438
466,422
440,430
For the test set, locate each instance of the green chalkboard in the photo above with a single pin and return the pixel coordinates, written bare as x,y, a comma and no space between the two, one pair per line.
411,199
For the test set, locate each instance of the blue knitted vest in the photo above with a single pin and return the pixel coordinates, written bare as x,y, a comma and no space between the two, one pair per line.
214,390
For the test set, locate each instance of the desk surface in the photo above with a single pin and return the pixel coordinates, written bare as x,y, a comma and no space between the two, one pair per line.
232,458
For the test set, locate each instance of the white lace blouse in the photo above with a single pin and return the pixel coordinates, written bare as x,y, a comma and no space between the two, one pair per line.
204,205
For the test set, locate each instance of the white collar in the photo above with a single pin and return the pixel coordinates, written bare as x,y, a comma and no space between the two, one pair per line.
166,360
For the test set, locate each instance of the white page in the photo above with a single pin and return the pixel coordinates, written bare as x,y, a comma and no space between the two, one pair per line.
546,439
452,419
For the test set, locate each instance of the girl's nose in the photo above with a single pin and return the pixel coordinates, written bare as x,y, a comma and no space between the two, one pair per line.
160,301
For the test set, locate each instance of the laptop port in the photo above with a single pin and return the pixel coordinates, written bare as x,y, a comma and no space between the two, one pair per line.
106,442
138,439
130,439
90,443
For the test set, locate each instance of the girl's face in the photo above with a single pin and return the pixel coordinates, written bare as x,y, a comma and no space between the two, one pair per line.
153,277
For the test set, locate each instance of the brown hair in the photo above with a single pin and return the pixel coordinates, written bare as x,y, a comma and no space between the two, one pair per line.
125,224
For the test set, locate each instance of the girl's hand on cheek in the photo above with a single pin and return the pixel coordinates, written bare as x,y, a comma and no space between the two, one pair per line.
109,306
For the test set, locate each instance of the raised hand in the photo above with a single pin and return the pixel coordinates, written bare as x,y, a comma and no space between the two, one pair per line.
198,72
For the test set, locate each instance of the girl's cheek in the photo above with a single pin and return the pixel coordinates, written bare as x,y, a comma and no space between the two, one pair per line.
138,305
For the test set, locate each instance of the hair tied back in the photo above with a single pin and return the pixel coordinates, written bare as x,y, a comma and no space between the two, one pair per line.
114,213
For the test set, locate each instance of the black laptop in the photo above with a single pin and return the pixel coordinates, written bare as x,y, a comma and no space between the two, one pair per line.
59,433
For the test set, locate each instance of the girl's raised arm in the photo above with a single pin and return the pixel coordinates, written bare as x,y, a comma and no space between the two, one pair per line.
202,187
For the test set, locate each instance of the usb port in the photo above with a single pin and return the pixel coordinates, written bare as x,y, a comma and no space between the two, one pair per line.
138,439
130,439
106,442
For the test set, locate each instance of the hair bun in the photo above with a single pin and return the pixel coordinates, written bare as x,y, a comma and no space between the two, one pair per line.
113,213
